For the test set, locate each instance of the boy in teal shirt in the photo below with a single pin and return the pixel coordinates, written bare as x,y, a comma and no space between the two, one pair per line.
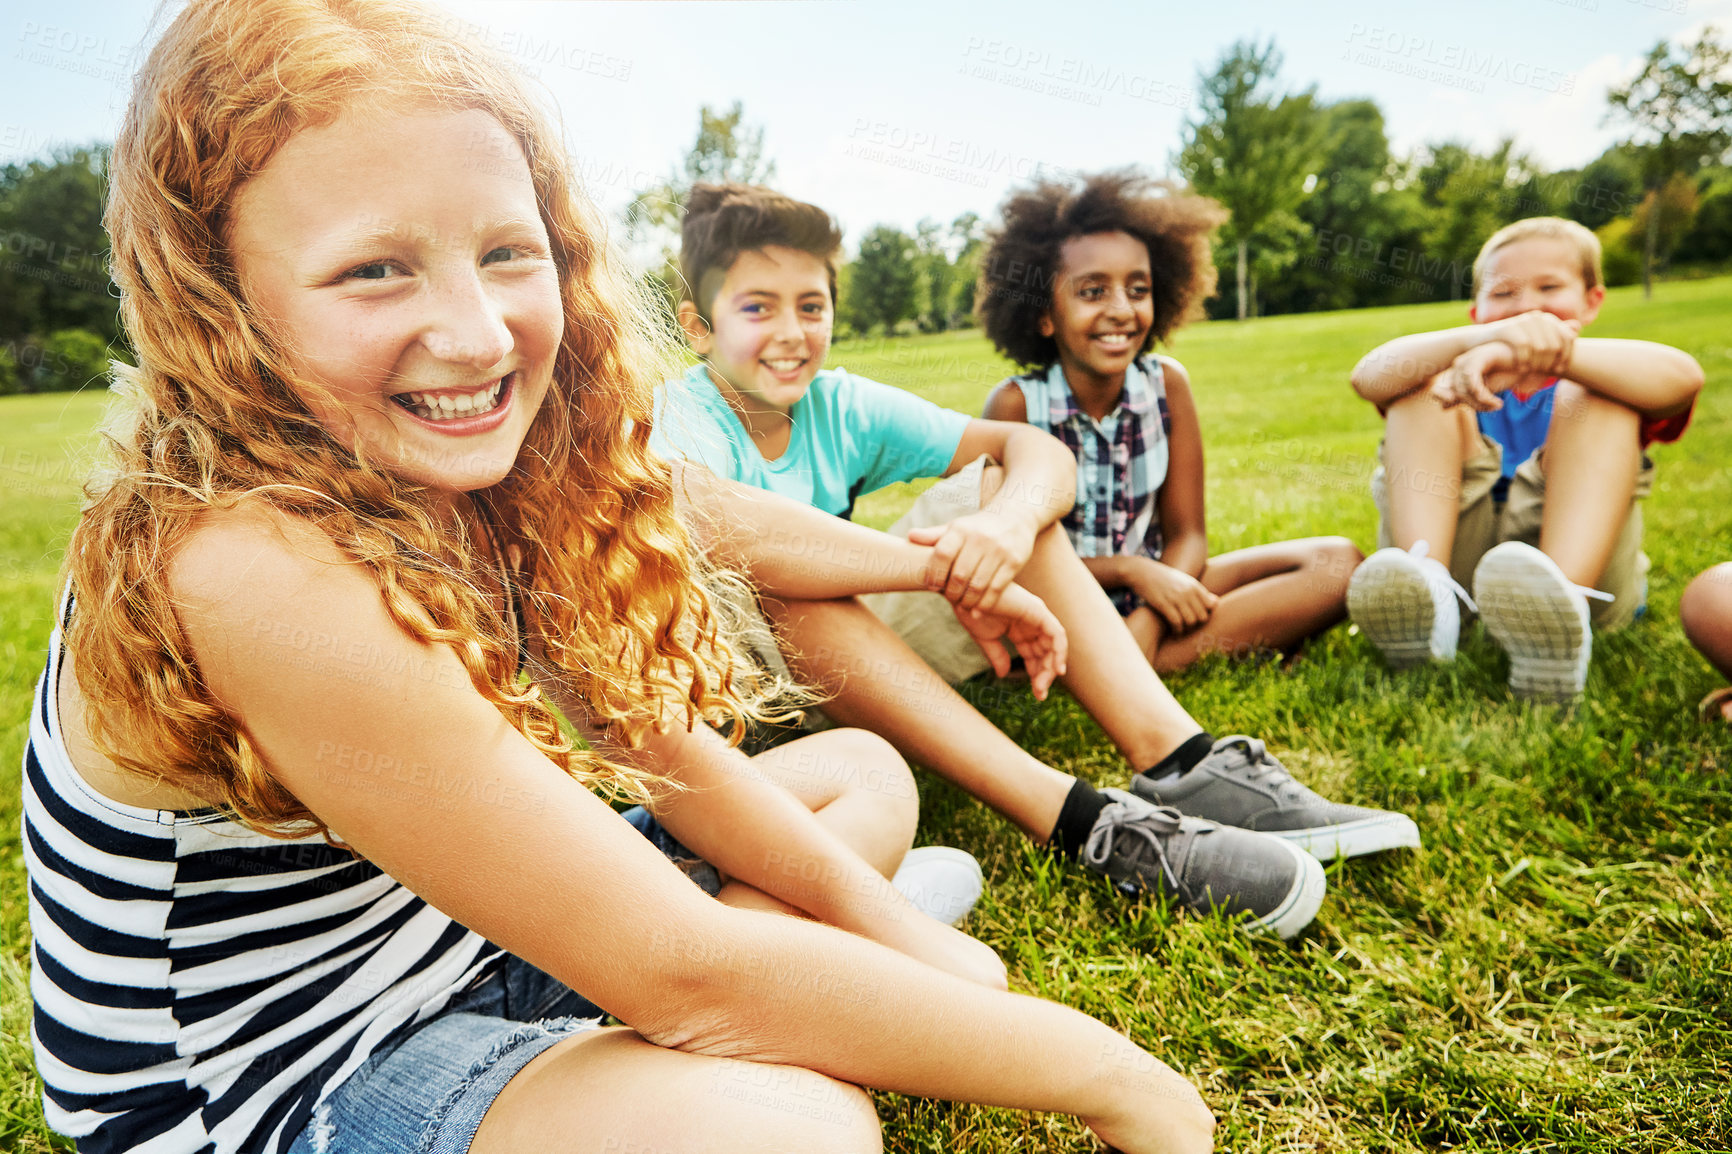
760,286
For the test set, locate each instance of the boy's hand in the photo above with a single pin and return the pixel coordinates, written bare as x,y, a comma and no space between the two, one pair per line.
1181,600
975,558
1478,375
1024,620
1538,342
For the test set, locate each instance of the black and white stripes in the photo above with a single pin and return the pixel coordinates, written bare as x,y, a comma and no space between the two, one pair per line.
199,986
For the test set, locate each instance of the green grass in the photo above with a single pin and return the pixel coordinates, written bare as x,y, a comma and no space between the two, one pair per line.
1550,973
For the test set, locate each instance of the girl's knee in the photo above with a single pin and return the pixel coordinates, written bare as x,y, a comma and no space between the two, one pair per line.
884,773
1336,555
789,1108
1707,602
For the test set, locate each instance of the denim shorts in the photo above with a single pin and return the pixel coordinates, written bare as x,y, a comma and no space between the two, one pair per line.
428,1093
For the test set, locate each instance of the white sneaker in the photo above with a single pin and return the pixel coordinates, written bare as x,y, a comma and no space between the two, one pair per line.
1539,617
1404,603
941,882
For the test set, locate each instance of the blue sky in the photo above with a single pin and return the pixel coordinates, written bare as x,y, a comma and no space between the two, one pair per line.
890,112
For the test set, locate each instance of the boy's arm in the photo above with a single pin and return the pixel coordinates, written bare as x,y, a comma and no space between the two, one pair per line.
792,550
1656,380
1539,343
977,556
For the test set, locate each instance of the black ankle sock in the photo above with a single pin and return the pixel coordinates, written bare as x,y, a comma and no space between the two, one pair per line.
1185,758
1076,818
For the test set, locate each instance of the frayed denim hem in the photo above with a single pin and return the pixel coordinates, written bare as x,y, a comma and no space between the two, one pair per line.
452,1123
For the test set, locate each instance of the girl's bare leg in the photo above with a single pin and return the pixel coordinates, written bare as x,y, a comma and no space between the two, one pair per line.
906,702
1706,611
610,1091
1591,460
1272,598
858,787
1108,672
1424,446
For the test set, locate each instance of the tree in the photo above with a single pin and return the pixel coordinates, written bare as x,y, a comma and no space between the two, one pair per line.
934,275
726,149
1251,149
55,272
1710,236
884,280
1468,196
1680,111
1361,226
1665,215
1609,187
968,233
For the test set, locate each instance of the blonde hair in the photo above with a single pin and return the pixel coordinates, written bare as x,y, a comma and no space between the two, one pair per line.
1586,244
609,578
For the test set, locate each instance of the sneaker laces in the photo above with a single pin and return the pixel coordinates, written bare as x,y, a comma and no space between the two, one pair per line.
1263,766
1153,823
1421,551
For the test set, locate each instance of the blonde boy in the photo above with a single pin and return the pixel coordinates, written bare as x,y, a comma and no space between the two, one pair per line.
1513,456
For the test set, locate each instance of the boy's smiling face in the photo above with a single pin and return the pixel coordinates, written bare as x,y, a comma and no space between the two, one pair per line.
1102,307
769,328
1541,272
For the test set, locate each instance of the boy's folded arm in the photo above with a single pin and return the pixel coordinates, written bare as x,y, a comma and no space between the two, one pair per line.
1656,380
1039,483
791,549
1401,366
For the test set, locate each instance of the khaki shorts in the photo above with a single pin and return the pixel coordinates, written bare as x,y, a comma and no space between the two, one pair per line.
755,638
924,620
1483,523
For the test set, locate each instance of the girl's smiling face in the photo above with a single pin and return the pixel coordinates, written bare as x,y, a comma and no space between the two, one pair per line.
1102,308
402,258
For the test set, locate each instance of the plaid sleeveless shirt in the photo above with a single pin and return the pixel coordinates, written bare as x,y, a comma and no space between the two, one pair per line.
1121,461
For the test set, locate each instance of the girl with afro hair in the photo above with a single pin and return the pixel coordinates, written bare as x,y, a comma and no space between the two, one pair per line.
1078,283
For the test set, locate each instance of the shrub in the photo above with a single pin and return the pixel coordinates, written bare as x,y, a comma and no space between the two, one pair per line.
1621,254
72,359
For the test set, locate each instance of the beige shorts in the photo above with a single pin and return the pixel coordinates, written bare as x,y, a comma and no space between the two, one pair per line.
1483,523
755,638
924,620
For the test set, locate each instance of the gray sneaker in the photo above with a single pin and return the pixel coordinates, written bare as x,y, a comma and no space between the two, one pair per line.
1241,784
1268,883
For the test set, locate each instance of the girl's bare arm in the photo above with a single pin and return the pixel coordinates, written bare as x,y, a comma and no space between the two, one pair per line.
1184,526
475,820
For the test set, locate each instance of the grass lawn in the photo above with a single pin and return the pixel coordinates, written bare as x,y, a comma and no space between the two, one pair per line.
1550,973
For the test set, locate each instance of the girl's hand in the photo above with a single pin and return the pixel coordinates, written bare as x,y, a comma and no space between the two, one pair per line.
975,557
1180,599
953,951
1024,620
1154,1110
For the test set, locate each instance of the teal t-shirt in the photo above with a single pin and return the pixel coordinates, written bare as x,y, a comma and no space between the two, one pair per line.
851,436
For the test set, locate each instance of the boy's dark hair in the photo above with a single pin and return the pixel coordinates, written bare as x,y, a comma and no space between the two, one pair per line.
724,220
1022,258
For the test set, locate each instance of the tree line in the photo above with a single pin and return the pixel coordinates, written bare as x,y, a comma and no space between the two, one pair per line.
1325,214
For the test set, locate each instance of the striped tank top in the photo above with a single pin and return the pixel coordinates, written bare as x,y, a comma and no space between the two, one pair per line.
200,987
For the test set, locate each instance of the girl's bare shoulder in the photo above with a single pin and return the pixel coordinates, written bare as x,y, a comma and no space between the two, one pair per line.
1006,403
